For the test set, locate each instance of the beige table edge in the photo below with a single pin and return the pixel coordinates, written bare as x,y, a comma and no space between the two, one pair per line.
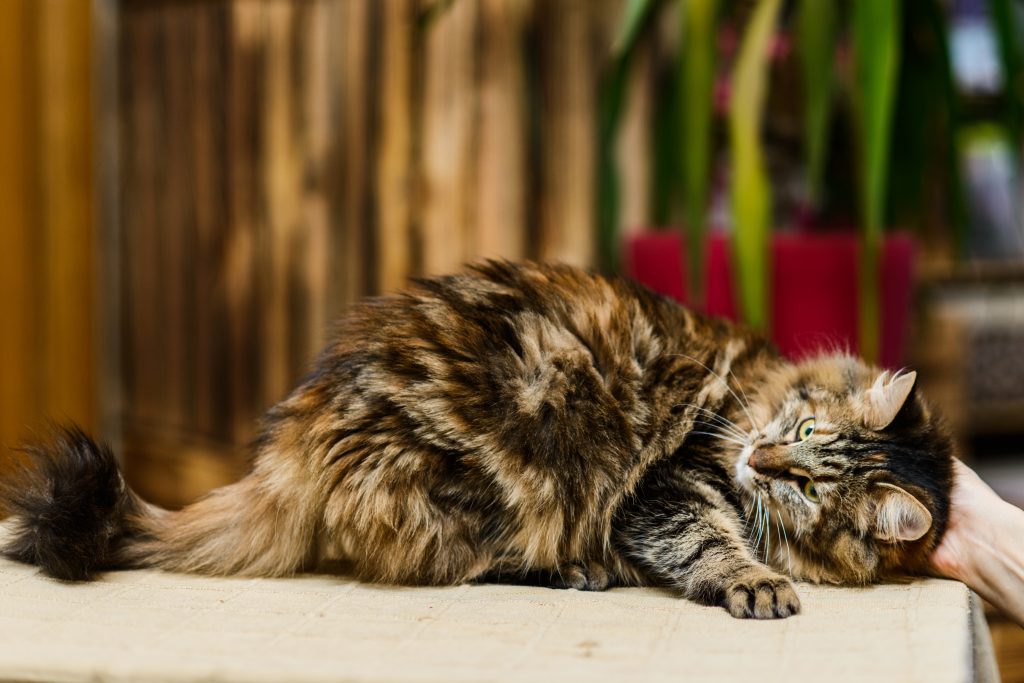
153,626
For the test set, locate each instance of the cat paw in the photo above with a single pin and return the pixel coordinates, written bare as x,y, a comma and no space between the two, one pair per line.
590,577
761,594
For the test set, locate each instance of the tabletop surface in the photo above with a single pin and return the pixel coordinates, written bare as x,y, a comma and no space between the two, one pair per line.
152,626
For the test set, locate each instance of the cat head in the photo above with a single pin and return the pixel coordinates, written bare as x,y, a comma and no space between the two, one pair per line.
852,470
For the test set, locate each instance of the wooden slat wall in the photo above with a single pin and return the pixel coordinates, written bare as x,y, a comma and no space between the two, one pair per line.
635,138
281,159
393,190
568,128
272,163
19,390
500,211
47,298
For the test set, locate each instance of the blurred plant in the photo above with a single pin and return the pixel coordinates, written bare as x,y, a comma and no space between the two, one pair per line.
637,15
879,97
697,74
1003,21
926,123
876,35
751,194
688,136
816,34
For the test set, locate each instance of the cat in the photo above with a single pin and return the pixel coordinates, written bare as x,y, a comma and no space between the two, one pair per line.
538,422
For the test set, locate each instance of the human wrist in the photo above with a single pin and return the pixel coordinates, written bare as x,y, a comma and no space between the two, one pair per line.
990,565
980,546
978,550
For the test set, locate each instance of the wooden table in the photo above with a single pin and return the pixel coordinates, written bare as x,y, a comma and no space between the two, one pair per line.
151,626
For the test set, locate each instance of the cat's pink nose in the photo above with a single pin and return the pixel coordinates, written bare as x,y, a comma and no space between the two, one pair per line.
752,459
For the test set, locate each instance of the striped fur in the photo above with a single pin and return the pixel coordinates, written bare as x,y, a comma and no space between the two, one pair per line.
525,421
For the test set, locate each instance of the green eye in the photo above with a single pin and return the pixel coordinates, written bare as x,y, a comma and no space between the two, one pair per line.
810,492
805,429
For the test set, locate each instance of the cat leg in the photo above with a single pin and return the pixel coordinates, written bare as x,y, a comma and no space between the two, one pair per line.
588,576
581,576
696,546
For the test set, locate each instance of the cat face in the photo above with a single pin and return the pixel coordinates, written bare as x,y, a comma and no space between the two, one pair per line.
850,470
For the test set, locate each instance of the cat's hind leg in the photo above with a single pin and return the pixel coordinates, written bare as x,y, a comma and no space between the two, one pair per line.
588,576
582,576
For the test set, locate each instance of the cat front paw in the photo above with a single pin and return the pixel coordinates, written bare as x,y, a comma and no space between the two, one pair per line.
761,594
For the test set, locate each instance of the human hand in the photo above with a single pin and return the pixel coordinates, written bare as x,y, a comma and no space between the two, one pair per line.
984,543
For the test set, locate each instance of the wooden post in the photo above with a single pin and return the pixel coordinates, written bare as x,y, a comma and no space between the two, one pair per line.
448,180
19,391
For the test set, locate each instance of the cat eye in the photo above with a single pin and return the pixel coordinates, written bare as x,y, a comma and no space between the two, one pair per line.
810,491
805,429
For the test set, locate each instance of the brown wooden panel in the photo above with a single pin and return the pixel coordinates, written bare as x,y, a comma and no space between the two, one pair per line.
1008,644
19,390
47,349
279,160
244,149
568,128
499,220
394,187
66,211
447,137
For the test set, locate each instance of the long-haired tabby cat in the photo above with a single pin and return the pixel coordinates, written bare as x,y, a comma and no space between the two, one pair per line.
538,421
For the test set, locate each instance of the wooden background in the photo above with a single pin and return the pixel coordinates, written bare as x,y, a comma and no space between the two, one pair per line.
184,218
48,339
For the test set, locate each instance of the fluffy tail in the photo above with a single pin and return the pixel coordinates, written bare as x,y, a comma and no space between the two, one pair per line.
72,514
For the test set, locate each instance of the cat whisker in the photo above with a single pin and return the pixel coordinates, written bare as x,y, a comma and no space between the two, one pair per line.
721,436
746,399
723,428
760,525
717,416
744,406
768,534
749,521
785,536
720,419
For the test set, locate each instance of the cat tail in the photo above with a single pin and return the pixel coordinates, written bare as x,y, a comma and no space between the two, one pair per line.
72,514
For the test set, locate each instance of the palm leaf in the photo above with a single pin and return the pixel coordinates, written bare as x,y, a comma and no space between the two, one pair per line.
1004,22
817,23
697,73
876,35
634,18
637,15
751,196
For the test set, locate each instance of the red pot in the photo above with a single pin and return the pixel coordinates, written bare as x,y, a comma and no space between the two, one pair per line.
814,299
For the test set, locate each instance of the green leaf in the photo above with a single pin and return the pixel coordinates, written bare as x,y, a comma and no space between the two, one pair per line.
955,196
612,100
666,176
608,201
816,36
876,36
751,195
1003,21
697,76
432,11
634,19
925,124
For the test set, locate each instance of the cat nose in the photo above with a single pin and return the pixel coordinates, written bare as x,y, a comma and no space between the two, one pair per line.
766,460
752,460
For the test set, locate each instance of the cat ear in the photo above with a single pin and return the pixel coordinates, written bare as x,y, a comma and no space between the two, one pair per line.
882,402
899,516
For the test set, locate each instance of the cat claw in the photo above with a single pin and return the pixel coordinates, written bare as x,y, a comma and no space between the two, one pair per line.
761,594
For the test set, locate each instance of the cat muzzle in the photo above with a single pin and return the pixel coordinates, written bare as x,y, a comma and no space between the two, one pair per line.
768,460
